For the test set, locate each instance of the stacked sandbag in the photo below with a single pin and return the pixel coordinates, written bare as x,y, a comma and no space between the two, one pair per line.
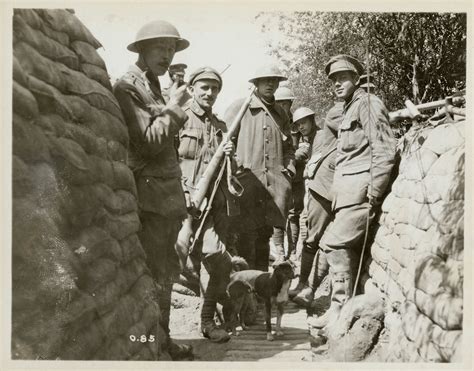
417,255
81,288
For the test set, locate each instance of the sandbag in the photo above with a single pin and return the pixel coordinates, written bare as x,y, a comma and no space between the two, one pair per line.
123,178
66,80
22,183
46,46
71,152
24,103
131,248
444,309
101,123
87,54
98,273
118,203
119,226
19,75
96,73
29,142
64,21
30,16
50,100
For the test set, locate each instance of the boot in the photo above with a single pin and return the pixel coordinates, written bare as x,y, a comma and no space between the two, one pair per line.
307,258
319,270
341,292
177,352
180,352
304,297
293,292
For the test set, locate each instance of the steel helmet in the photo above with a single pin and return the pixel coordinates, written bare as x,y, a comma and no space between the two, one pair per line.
268,70
301,113
284,93
156,30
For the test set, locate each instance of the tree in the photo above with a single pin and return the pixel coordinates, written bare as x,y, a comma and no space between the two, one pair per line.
416,56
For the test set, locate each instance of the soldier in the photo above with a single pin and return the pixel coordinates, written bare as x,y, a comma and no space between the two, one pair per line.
319,173
265,156
305,126
152,126
176,73
199,139
364,161
285,97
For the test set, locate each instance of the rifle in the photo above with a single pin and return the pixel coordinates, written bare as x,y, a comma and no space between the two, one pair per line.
185,236
411,111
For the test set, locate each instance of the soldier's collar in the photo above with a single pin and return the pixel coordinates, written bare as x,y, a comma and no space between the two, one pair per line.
198,110
256,102
356,95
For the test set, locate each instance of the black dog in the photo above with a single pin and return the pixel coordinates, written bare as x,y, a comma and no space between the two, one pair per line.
268,286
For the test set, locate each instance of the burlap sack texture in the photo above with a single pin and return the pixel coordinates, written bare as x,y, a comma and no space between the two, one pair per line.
417,256
80,283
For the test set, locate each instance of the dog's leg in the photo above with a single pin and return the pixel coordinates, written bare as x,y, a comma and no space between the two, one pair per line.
268,318
280,310
236,313
245,304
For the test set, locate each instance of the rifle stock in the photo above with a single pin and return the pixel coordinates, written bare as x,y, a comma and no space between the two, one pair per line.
186,233
404,113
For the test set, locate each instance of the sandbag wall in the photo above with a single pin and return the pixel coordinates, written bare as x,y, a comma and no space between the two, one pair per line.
417,256
80,283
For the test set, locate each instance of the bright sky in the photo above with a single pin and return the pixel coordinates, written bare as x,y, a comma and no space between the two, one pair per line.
220,34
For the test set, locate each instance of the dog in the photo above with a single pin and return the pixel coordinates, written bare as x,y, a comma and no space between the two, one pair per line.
270,287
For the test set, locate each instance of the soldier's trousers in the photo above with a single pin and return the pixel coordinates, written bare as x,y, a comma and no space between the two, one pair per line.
254,247
318,211
216,265
158,236
293,224
344,236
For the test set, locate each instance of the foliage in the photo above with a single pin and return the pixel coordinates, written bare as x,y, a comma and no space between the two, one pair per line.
416,56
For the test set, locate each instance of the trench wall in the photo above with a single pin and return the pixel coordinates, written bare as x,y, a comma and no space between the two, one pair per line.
417,255
80,283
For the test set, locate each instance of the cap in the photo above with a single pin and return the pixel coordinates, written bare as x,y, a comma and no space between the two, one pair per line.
207,73
343,62
178,67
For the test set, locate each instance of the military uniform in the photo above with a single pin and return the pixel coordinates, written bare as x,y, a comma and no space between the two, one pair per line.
364,159
319,172
155,165
199,139
264,150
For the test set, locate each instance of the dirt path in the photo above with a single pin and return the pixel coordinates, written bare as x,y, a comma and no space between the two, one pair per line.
249,345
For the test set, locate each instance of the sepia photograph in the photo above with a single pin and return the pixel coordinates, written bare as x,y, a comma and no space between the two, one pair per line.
224,182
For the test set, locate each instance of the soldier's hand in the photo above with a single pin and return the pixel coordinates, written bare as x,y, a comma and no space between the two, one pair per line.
179,95
229,148
157,131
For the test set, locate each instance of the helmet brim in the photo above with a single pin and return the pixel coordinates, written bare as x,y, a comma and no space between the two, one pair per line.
280,78
181,44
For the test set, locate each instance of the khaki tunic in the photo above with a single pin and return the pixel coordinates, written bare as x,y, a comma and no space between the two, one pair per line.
363,167
155,165
263,151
